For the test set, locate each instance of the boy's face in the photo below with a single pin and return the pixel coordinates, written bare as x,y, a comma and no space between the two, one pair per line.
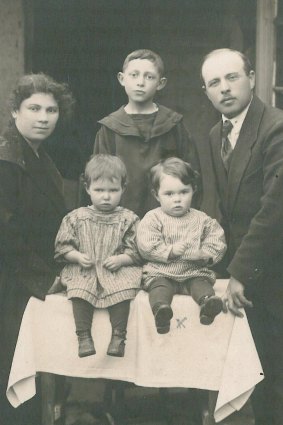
175,197
105,194
141,80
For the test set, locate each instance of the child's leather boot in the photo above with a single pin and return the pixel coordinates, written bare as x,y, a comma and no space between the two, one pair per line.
210,306
116,346
86,345
162,314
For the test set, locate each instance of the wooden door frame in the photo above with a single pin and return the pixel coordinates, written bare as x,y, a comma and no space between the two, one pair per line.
265,50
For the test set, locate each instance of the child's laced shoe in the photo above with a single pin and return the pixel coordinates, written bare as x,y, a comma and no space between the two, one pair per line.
162,314
210,306
86,345
116,346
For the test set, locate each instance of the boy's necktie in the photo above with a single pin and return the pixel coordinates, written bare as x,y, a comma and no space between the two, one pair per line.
226,147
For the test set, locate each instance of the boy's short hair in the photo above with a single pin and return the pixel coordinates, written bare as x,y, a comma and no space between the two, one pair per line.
175,167
106,167
146,54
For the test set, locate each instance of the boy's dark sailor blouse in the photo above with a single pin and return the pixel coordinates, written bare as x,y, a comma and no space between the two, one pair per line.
99,235
119,135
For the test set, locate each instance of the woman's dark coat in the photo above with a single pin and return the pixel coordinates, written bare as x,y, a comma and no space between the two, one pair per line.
31,210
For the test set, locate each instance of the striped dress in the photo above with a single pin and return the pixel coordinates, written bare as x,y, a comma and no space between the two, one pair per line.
100,235
156,234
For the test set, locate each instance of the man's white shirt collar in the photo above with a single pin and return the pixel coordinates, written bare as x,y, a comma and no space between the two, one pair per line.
237,123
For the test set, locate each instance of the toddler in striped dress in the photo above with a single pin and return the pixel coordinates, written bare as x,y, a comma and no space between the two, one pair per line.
98,245
179,244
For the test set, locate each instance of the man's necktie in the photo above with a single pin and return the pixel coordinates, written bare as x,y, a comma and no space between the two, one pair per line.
226,148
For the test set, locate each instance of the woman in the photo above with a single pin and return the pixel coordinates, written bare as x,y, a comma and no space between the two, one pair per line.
31,209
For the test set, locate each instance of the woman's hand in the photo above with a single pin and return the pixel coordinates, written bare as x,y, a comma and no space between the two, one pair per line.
56,286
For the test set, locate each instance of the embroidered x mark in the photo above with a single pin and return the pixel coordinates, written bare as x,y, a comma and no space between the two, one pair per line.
181,322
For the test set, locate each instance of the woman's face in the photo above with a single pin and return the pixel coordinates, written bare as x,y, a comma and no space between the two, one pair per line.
37,116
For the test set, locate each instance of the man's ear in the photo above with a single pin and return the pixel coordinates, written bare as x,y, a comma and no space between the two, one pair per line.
162,83
120,77
204,89
14,114
252,79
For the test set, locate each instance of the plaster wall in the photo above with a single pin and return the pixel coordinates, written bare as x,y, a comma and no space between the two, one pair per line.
11,51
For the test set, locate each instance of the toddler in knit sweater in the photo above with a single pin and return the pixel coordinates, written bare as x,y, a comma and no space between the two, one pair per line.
179,244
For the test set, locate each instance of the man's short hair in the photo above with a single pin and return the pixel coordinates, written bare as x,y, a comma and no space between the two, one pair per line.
146,54
246,62
175,167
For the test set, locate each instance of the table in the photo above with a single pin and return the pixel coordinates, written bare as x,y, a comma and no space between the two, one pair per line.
220,357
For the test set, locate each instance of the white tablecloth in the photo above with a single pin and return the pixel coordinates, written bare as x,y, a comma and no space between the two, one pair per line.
220,357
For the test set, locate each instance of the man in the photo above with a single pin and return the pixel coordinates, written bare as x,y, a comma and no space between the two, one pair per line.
247,153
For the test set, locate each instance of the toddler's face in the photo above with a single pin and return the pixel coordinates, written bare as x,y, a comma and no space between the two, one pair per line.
141,80
105,194
175,197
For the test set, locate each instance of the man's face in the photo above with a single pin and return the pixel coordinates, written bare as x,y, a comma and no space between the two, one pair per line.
227,85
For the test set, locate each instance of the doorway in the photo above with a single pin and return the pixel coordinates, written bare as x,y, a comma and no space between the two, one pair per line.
85,42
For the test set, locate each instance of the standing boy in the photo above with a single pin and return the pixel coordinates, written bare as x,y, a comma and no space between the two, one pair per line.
143,132
247,153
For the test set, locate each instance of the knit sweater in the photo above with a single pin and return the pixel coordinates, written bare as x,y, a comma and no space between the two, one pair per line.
157,232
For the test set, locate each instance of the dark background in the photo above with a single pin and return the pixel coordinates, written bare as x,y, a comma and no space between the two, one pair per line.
84,42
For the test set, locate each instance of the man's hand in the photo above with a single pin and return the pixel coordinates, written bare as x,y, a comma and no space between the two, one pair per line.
178,249
235,298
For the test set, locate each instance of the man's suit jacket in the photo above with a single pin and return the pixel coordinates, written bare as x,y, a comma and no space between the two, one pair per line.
251,203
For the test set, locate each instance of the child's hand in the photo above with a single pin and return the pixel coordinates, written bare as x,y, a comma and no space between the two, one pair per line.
178,249
113,263
84,260
200,262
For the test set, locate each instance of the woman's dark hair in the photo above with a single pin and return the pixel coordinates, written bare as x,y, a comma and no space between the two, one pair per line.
41,83
175,167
